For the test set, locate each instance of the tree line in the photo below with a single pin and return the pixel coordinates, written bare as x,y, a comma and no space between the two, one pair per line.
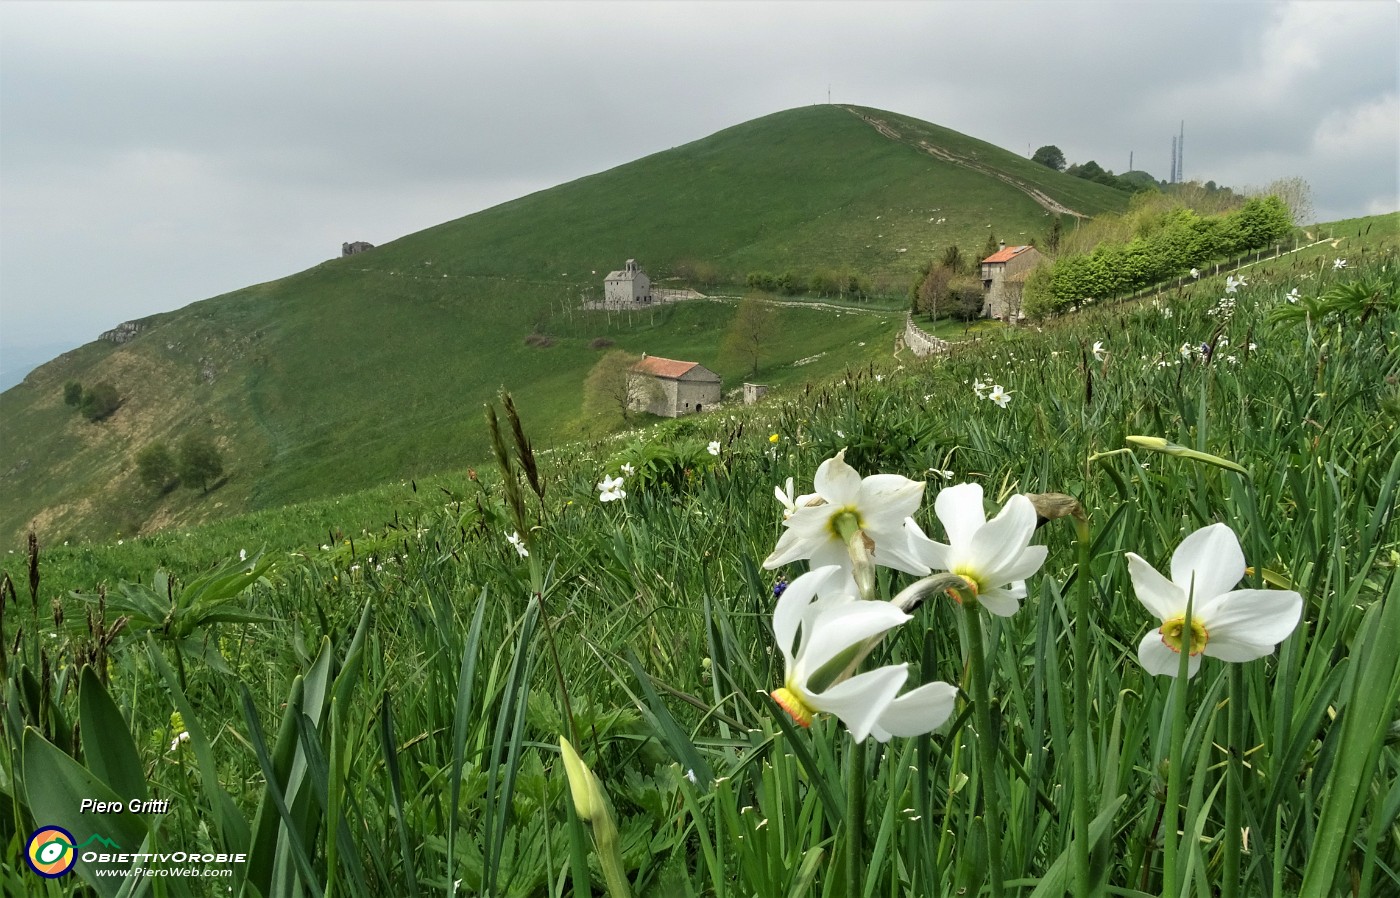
1180,241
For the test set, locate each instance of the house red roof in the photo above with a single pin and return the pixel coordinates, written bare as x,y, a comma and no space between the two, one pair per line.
1006,254
659,367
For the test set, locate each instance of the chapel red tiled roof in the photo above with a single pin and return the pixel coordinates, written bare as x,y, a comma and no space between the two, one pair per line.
659,367
1006,255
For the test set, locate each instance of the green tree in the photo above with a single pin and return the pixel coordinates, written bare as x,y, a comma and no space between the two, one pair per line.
933,291
990,247
965,298
1057,233
99,402
611,392
198,462
156,467
954,260
1050,157
1038,299
73,393
749,333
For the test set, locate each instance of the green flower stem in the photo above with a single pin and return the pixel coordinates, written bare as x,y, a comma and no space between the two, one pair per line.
1234,784
1079,757
855,820
1180,688
610,856
986,749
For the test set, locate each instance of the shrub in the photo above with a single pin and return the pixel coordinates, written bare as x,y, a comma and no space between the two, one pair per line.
199,462
73,393
99,402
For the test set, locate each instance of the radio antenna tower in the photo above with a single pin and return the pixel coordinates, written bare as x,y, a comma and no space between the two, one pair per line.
1181,153
1171,178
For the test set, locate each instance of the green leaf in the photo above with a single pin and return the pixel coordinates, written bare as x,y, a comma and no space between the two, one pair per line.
107,743
55,786
1053,882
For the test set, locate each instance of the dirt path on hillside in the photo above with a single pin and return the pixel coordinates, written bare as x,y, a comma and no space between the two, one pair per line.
805,304
1045,201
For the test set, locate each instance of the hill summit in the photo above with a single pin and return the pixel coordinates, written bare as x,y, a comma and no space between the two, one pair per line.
374,366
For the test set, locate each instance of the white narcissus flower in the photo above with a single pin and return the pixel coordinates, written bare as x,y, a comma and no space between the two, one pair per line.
1099,351
1195,273
518,544
789,502
877,505
835,627
1226,623
995,557
1339,264
1292,295
628,470
999,396
1233,283
980,389
713,448
610,490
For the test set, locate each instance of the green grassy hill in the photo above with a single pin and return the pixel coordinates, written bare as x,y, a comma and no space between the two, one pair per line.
374,367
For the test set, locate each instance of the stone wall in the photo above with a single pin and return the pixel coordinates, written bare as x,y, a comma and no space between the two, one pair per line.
920,343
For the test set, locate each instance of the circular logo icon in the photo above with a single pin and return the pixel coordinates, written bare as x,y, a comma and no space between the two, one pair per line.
50,851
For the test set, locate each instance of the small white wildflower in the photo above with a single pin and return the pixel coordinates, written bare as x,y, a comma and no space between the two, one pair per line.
999,396
628,470
610,490
518,544
183,737
713,448
1339,264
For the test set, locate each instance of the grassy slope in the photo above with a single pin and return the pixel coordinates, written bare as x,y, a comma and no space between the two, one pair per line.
365,369
304,526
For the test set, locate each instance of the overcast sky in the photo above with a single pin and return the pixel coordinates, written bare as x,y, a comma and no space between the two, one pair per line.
155,154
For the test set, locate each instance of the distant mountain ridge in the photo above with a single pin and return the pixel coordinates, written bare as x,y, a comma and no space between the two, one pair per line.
373,366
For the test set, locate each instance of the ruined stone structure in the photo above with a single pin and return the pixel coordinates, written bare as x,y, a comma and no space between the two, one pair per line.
1003,275
681,388
349,249
754,392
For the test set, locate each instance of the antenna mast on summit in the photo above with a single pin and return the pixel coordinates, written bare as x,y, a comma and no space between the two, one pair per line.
1181,153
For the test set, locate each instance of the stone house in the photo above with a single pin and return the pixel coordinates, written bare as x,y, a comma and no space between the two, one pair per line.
1003,275
628,287
349,249
672,388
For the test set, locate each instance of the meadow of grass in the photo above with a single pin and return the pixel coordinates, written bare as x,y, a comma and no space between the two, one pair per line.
357,370
377,711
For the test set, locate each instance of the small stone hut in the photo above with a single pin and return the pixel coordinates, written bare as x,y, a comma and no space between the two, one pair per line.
1000,284
359,246
628,287
672,388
